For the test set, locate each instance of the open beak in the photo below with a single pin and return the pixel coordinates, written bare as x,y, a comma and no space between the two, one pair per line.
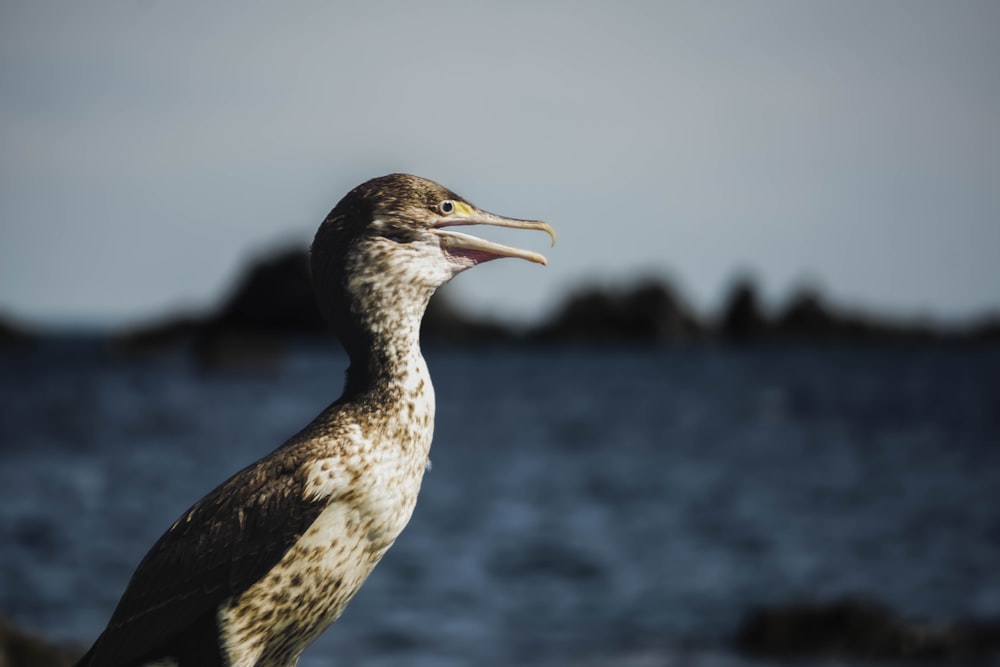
477,250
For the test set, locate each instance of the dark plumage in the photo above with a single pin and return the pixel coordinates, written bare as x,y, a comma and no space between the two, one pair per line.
258,568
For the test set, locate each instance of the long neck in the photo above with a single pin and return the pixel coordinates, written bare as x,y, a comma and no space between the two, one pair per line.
380,330
374,301
389,356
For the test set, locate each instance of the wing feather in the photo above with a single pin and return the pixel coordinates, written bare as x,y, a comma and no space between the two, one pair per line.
222,545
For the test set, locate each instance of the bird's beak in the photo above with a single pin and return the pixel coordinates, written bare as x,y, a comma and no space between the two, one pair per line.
479,250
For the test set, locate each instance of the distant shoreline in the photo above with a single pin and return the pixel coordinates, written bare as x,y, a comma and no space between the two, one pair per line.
274,301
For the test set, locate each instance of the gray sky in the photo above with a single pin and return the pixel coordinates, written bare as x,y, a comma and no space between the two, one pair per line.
149,148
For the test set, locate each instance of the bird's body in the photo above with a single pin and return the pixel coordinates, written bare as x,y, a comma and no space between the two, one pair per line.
368,492
258,568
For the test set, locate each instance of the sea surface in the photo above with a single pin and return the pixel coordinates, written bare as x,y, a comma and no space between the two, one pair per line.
586,506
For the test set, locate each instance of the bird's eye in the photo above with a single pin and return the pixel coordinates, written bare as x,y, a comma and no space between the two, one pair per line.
447,207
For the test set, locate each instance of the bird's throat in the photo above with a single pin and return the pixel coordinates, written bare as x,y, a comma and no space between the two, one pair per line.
383,344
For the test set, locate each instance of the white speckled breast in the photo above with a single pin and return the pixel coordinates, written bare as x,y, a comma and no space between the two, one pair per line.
371,480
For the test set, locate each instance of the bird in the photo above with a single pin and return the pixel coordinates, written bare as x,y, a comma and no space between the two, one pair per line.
257,569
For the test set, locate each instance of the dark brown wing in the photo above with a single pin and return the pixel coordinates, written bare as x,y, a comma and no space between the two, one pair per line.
227,541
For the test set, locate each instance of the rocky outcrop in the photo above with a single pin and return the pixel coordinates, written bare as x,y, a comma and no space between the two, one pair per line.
742,318
14,335
809,317
274,301
650,313
22,649
860,629
274,297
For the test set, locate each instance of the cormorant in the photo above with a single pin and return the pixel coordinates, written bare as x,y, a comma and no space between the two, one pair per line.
258,568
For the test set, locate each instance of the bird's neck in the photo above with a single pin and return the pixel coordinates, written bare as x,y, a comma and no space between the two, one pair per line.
383,343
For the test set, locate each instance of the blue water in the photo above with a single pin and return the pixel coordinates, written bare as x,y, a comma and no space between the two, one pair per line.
585,506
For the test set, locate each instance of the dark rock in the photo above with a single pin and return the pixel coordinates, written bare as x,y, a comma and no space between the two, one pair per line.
648,313
15,335
742,319
21,649
272,303
277,298
807,316
859,629
274,297
157,338
235,350
986,330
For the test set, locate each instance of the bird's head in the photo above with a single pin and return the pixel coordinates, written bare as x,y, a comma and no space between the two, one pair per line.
393,238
